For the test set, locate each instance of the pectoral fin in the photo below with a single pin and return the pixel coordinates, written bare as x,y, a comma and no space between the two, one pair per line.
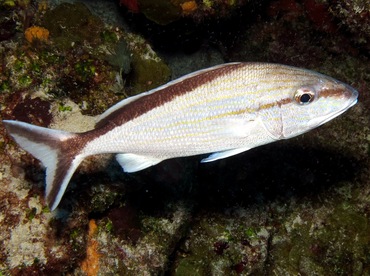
133,162
234,127
223,154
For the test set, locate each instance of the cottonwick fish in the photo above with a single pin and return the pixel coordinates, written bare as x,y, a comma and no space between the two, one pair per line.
223,110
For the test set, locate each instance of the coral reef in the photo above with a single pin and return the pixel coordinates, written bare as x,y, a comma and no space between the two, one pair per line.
71,25
148,70
38,80
225,244
164,12
355,17
299,206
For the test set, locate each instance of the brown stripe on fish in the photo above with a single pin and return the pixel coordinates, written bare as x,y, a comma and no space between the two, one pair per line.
333,92
261,107
248,110
277,103
169,92
145,104
162,96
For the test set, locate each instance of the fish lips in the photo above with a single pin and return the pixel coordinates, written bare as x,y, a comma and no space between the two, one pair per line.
351,94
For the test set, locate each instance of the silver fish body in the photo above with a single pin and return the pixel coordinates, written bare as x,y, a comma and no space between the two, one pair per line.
223,110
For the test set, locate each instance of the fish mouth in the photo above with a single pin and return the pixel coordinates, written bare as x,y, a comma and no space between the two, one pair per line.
353,94
352,100
336,114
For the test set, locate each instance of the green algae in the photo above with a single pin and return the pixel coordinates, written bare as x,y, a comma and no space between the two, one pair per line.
25,73
109,226
85,69
77,239
4,86
334,242
190,266
8,3
221,246
108,36
103,197
63,108
31,213
251,233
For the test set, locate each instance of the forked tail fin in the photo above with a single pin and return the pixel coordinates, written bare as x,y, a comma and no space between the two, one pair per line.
53,148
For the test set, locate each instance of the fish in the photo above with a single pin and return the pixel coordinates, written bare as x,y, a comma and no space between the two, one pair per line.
223,110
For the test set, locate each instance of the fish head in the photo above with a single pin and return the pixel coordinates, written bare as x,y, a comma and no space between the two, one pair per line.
308,103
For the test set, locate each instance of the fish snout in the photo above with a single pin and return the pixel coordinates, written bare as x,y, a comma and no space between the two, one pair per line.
340,91
351,93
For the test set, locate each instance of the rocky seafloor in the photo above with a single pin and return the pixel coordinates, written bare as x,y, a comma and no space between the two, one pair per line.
294,207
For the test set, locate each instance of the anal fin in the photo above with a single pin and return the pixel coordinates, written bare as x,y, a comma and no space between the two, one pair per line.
131,162
223,154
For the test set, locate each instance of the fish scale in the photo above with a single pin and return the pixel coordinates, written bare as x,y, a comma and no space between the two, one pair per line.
203,122
223,110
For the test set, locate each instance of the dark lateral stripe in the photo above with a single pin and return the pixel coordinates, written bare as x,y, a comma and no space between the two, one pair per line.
339,92
160,97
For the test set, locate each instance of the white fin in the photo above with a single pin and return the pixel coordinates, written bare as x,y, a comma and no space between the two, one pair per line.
46,145
223,154
133,162
235,127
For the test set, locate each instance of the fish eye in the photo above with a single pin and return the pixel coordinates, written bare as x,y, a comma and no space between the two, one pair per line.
304,96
